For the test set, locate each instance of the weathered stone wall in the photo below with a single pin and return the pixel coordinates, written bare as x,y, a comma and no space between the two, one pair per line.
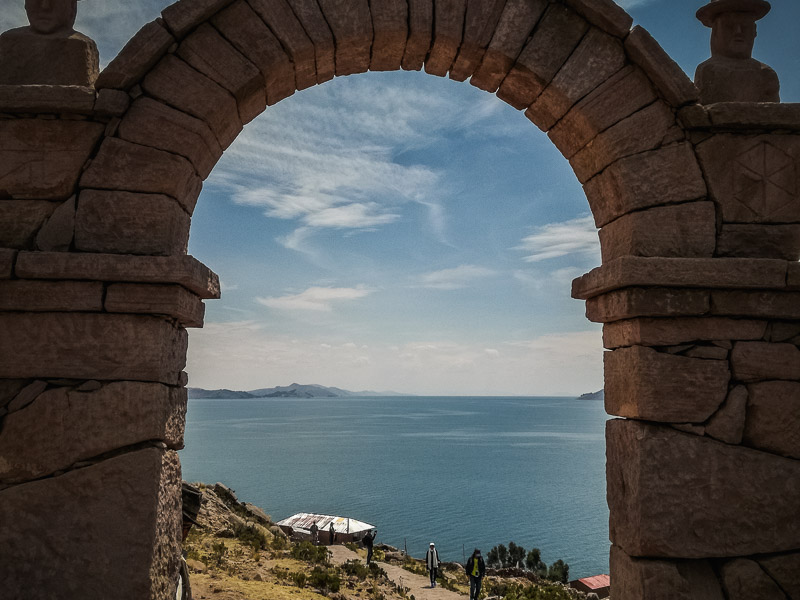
698,215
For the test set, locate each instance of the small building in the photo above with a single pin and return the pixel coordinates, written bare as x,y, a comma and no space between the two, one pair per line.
599,584
347,530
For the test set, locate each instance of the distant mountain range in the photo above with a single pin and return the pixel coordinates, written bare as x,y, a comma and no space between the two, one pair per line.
599,395
295,390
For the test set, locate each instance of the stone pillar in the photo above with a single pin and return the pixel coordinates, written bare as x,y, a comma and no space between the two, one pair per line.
703,369
96,291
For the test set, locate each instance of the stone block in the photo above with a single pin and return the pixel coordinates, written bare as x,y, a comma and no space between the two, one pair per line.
7,259
669,175
250,36
645,130
646,302
711,352
759,361
168,300
784,569
448,29
675,87
20,220
351,24
773,417
60,58
760,241
64,426
684,230
316,27
517,21
676,495
622,95
605,14
555,38
694,116
61,521
420,32
136,58
773,305
50,99
178,85
111,103
744,579
641,383
727,273
183,270
727,424
480,21
127,167
43,159
596,59
280,18
58,231
782,331
390,32
128,223
184,15
669,332
51,296
637,578
208,52
756,116
152,123
91,346
753,178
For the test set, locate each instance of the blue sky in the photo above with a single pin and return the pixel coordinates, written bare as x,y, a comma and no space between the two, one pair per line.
399,231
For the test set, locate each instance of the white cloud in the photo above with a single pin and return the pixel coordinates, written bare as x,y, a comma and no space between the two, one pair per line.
456,278
350,216
578,236
315,298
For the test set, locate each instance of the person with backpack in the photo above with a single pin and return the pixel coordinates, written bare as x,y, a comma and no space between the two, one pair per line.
476,569
432,562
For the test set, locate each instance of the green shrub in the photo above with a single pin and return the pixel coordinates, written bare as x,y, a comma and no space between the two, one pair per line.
251,535
559,571
298,578
351,546
218,552
356,568
324,579
308,552
279,543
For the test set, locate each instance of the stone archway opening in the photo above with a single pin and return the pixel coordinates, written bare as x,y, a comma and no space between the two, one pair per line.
699,311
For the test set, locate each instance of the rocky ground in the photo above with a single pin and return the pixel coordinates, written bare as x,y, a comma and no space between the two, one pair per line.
236,552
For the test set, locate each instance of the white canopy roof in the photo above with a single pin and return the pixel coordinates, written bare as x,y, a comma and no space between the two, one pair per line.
303,521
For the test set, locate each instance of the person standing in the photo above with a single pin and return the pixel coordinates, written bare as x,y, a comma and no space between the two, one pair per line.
432,562
314,533
369,540
476,569
333,533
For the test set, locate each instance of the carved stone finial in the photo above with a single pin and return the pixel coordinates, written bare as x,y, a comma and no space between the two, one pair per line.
731,74
49,51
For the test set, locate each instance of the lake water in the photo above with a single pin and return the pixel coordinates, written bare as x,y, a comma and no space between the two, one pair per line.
462,472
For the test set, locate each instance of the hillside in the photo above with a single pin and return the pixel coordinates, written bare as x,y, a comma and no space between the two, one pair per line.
295,390
598,395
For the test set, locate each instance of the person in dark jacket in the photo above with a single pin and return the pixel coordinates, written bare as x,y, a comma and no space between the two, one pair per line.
369,540
476,569
432,562
333,534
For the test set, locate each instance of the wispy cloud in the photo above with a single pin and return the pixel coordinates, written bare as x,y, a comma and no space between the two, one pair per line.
315,298
578,236
456,278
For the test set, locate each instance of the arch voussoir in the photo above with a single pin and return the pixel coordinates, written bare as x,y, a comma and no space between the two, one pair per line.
240,25
517,20
389,32
480,21
448,29
351,24
420,32
554,40
206,51
177,84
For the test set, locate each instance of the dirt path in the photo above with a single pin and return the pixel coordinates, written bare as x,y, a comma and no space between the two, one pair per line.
418,585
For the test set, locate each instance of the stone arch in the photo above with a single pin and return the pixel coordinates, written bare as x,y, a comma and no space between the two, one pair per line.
698,288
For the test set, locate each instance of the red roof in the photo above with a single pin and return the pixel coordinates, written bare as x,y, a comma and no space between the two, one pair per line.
596,582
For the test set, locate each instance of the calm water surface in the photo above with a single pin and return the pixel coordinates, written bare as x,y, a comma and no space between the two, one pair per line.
462,472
